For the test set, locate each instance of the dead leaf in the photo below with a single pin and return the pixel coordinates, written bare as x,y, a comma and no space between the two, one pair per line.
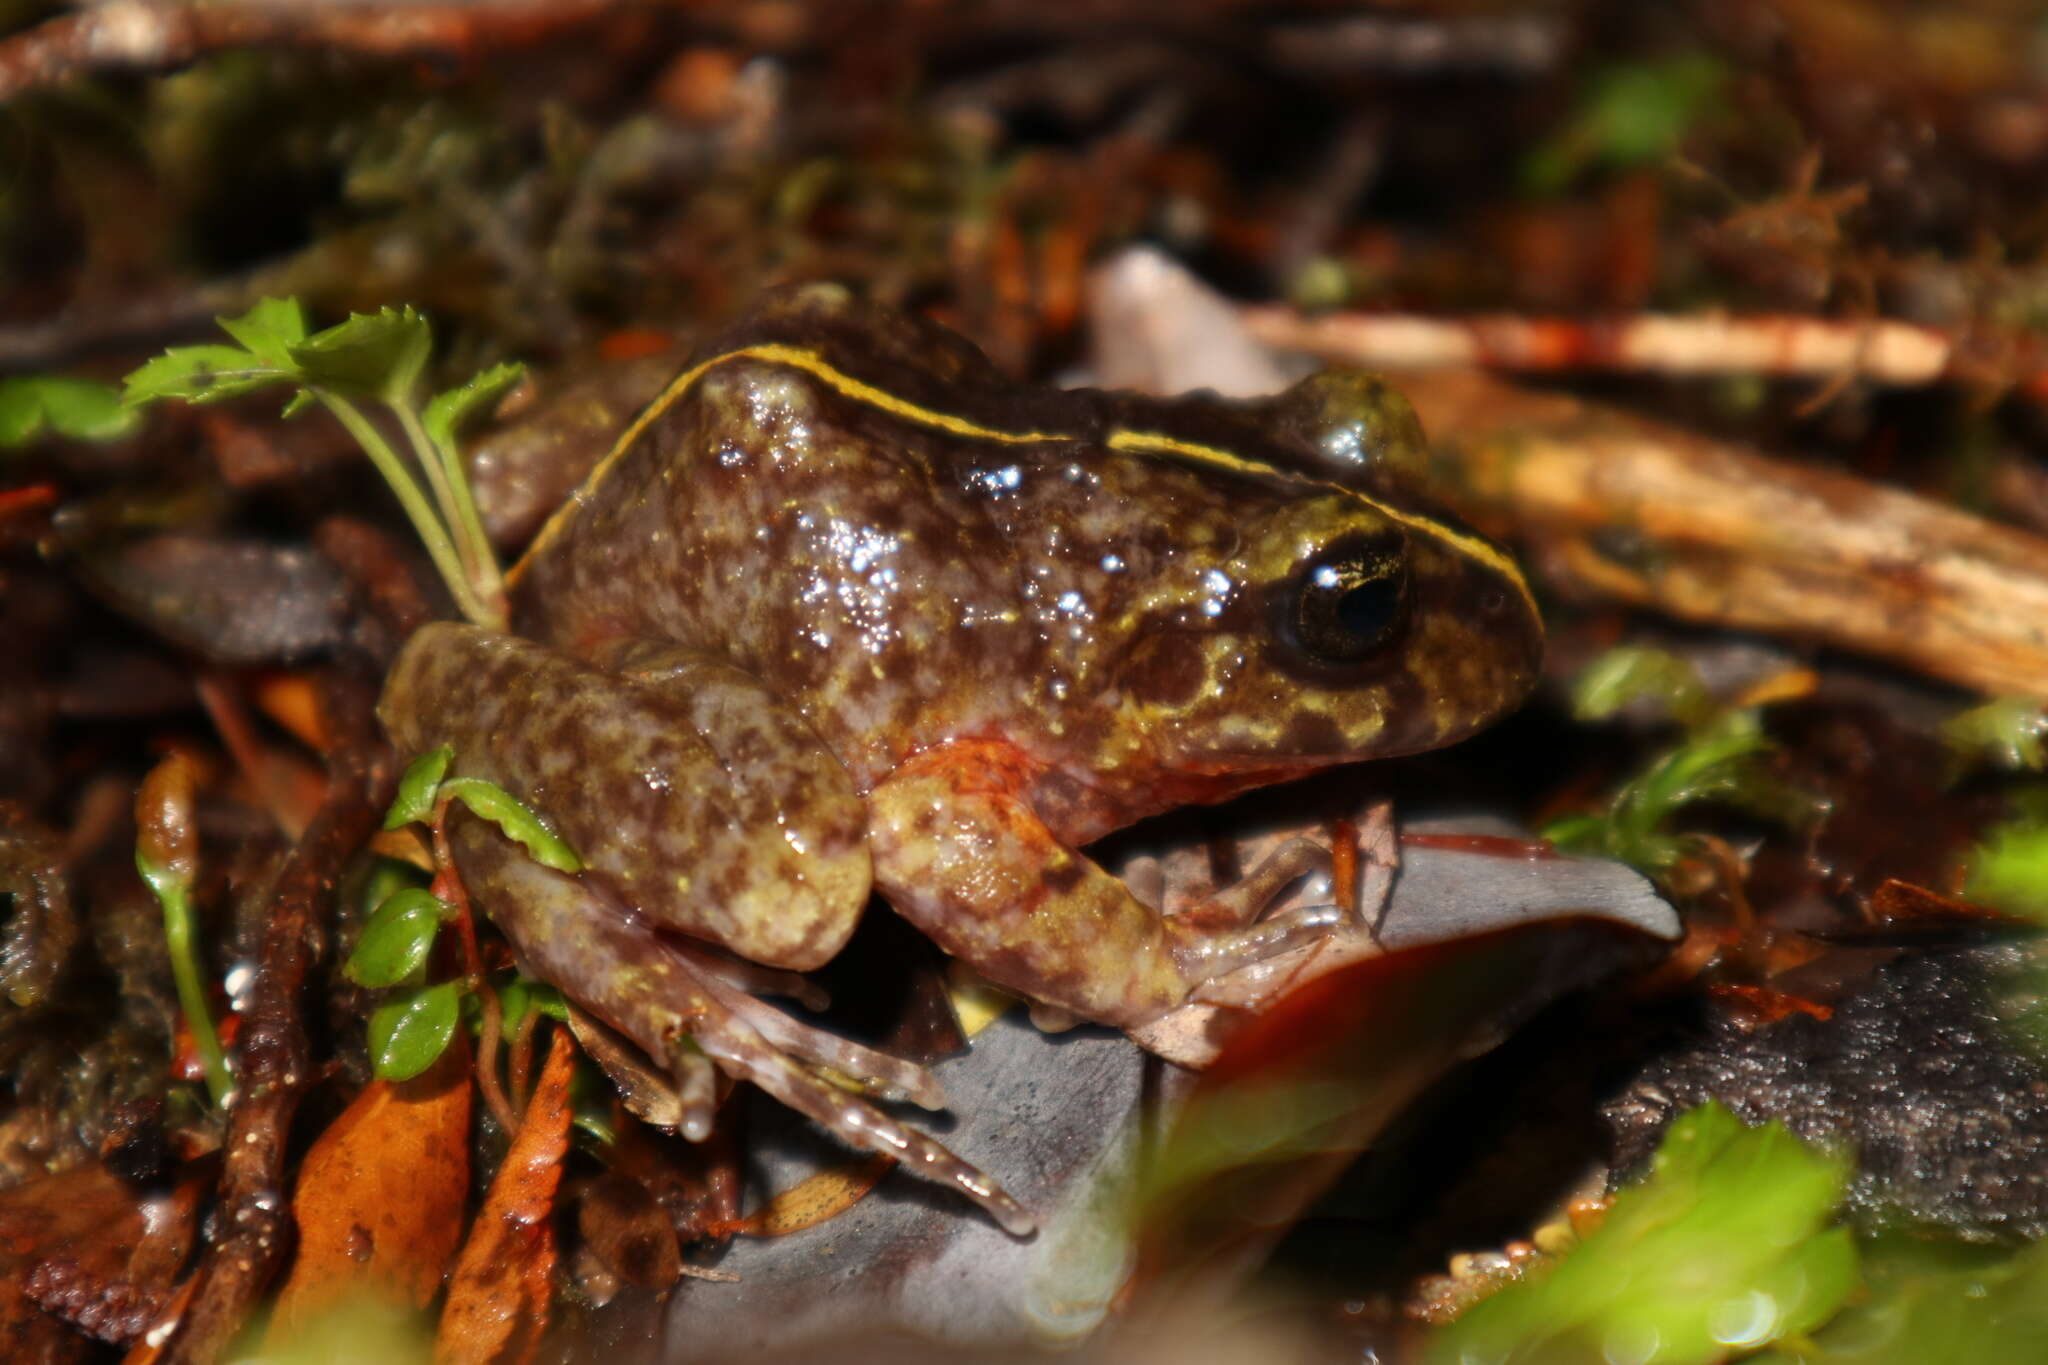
380,1196
498,1301
810,1202
87,1248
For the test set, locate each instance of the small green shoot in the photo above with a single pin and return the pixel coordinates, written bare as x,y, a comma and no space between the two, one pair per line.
82,409
167,856
417,787
2005,734
1724,1247
2009,869
1721,759
378,358
1629,115
522,995
414,1025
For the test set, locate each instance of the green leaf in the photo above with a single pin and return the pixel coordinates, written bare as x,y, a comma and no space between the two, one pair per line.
516,819
452,407
379,355
2006,732
396,941
269,330
82,409
1629,115
522,995
419,788
203,374
1724,1247
411,1030
2009,870
1932,1301
1629,673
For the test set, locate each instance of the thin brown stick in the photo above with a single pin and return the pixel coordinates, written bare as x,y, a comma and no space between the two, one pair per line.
488,1042
448,885
277,1065
521,1067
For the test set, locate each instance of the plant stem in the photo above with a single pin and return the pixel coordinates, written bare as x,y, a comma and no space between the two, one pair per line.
437,480
192,990
451,485
440,548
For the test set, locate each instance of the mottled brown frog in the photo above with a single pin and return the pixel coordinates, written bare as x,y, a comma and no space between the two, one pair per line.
844,610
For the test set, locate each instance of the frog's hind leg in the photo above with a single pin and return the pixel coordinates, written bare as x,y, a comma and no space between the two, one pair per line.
667,997
690,790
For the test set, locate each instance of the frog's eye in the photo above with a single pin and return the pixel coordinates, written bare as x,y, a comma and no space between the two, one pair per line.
1348,602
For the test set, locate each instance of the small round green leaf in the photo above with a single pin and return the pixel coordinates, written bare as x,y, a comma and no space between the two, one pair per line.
398,937
419,788
516,819
411,1030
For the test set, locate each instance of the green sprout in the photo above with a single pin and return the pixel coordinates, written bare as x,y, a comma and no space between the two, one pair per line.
413,1026
2005,733
1721,758
82,409
375,358
167,856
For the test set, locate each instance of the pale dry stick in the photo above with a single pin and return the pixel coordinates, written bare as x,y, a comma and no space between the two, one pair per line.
1652,514
1896,354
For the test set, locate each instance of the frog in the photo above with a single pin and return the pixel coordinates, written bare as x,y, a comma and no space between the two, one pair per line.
845,610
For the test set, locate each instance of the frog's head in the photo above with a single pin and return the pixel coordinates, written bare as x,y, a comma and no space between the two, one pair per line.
1339,616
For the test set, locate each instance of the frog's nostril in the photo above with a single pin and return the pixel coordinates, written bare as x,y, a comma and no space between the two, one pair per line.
1493,601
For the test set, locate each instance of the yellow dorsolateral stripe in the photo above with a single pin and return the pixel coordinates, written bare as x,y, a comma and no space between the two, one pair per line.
801,358
1150,443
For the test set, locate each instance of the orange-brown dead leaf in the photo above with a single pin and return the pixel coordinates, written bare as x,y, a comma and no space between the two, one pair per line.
810,1202
498,1301
380,1196
1897,902
293,701
1759,1005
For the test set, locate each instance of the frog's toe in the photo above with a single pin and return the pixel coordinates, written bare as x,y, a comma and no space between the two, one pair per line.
679,1003
744,1053
888,1078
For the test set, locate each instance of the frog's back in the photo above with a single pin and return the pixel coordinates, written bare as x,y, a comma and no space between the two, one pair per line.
858,509
778,512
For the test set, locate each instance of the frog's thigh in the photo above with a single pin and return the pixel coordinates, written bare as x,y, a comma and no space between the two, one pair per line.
973,867
685,786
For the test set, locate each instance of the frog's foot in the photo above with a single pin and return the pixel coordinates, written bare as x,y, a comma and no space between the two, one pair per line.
1223,934
877,1073
681,1005
745,1053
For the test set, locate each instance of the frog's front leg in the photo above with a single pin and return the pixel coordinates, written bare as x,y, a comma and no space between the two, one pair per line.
960,853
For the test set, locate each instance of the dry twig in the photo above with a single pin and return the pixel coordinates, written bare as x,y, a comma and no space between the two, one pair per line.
1712,531
276,1061
1899,354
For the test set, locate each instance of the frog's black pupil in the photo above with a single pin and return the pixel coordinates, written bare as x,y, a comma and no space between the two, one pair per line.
1368,608
1347,606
